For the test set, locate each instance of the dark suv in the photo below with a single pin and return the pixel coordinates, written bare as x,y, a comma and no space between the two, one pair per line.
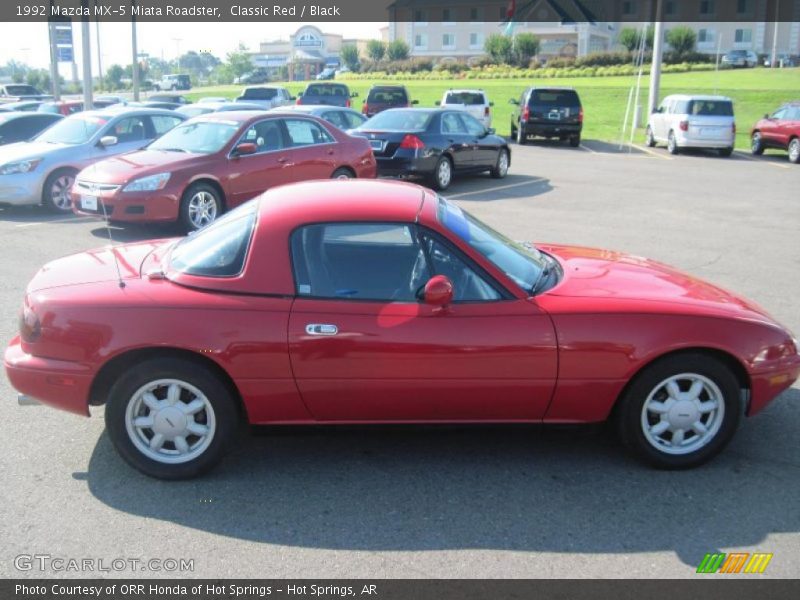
382,97
331,94
547,112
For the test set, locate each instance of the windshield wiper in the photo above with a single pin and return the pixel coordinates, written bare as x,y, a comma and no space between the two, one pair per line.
171,149
544,276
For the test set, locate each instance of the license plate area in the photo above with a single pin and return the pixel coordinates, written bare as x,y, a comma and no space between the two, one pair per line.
89,203
377,145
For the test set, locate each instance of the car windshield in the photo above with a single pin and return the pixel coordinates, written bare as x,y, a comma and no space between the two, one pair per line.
194,111
259,94
22,90
522,263
387,96
711,108
77,129
220,249
197,137
554,98
398,120
321,89
467,98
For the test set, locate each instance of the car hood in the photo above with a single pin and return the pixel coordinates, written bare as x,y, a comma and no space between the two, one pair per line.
125,167
95,266
605,274
24,150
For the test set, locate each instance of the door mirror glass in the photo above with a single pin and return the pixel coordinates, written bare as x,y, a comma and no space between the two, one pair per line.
354,95
438,291
513,101
415,102
245,148
490,131
108,140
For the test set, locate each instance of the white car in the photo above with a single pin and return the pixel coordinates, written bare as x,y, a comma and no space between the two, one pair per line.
474,102
266,96
685,121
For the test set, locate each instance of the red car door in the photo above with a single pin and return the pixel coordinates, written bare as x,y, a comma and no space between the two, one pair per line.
771,129
363,347
790,125
312,149
271,165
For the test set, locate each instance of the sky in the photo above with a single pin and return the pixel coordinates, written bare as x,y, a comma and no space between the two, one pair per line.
28,42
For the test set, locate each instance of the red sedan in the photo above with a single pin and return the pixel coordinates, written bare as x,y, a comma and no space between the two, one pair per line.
381,302
215,162
780,130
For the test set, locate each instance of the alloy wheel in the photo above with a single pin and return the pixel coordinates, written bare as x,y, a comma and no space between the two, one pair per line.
59,192
444,173
202,209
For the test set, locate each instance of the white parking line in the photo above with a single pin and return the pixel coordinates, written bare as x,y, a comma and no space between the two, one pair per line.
652,152
495,189
587,149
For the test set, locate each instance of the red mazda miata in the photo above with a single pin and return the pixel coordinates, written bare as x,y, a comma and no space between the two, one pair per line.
381,302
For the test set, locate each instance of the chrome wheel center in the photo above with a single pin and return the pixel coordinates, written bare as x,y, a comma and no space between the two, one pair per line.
169,422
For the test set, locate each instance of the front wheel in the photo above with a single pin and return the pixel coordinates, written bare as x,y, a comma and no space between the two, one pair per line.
681,411
200,206
56,191
443,174
500,169
171,418
794,151
342,173
756,143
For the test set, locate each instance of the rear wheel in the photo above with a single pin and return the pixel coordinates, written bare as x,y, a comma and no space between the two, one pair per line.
443,174
56,191
725,152
649,138
680,411
171,418
575,141
342,173
672,143
200,206
756,143
500,168
521,137
794,151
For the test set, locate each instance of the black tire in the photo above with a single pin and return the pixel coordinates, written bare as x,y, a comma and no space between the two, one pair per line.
649,138
756,143
500,169
725,152
190,217
794,151
630,413
438,180
55,192
521,138
575,141
223,415
672,143
343,173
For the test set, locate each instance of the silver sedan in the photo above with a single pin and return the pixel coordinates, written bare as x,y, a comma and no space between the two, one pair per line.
42,170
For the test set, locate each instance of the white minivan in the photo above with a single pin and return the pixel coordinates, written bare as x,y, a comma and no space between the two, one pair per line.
686,121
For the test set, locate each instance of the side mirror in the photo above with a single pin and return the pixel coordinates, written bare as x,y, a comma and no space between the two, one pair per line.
415,102
438,291
245,148
354,95
766,116
438,103
299,94
491,103
513,101
292,97
108,140
490,131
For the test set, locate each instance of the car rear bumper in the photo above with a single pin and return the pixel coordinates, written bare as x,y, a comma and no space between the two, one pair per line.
690,141
132,207
552,129
401,164
57,383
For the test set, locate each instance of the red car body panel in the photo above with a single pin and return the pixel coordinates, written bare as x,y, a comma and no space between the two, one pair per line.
240,178
561,356
778,133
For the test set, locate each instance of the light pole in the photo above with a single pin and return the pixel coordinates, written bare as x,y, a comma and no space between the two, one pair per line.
99,51
135,53
774,61
655,69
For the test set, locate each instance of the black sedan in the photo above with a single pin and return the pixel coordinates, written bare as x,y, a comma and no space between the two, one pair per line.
434,143
341,117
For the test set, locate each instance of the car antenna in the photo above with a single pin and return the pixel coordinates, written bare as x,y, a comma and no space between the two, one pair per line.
113,248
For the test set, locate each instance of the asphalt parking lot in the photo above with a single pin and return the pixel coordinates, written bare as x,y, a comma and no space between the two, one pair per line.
447,502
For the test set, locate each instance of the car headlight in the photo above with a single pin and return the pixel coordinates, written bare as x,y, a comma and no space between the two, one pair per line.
147,184
21,166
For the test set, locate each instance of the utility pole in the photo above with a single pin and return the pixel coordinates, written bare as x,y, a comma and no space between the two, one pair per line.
86,43
99,52
774,61
135,65
655,69
54,83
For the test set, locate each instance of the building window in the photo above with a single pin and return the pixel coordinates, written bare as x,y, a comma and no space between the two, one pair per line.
628,7
475,41
448,40
669,7
475,15
447,15
420,17
421,41
705,36
707,7
743,36
742,7
504,13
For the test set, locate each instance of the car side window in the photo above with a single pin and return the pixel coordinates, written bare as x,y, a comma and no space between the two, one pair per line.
335,117
472,125
266,135
468,285
162,124
303,132
131,129
353,120
451,123
358,261
780,114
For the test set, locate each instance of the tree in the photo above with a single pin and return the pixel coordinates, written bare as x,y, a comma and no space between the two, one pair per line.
526,46
397,50
630,38
114,75
376,50
239,61
499,49
349,54
682,39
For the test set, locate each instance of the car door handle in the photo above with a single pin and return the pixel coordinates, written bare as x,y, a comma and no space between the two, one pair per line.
285,162
330,151
321,329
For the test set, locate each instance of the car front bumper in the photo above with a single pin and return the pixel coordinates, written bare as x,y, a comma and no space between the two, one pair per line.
21,188
772,379
131,207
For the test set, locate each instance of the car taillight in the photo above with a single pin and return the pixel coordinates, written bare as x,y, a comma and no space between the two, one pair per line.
580,116
684,125
412,142
365,109
733,128
526,113
29,326
299,100
486,111
347,103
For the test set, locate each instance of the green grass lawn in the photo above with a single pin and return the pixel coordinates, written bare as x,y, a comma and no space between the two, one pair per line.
754,91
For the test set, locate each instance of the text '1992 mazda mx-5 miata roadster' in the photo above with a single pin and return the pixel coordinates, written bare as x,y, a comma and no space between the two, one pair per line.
336,302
